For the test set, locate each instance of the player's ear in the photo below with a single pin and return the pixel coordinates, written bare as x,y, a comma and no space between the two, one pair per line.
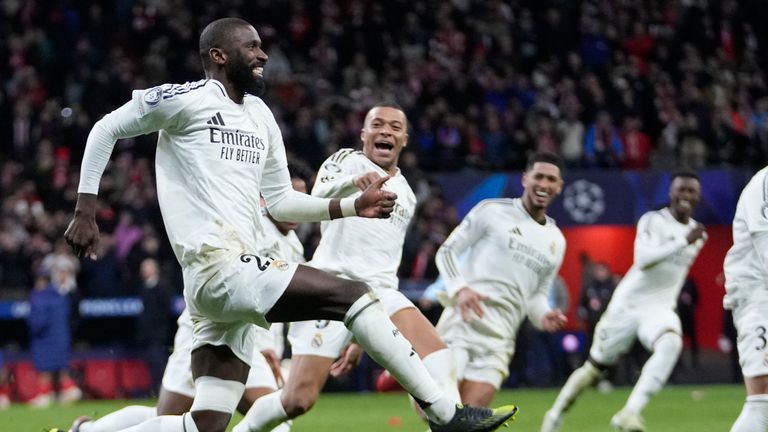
217,56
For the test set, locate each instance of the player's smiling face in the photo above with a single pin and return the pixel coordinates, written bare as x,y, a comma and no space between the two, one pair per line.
246,60
384,135
684,194
542,183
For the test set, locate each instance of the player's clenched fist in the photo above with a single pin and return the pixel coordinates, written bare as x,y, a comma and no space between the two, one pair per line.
82,234
375,202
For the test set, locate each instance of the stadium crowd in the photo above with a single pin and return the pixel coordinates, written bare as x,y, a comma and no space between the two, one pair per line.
606,84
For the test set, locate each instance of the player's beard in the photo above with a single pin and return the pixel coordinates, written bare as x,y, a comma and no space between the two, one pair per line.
242,78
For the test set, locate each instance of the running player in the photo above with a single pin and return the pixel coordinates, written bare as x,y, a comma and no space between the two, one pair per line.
514,253
643,307
219,149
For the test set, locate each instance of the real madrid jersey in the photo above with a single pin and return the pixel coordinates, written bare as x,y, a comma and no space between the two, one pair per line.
214,158
512,259
662,259
746,271
356,248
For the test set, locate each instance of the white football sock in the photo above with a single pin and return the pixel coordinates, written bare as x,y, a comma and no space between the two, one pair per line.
655,372
385,344
120,419
580,379
266,413
182,423
754,415
442,368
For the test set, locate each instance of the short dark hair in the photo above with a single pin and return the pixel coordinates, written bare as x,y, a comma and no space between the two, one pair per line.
546,157
390,104
685,173
215,34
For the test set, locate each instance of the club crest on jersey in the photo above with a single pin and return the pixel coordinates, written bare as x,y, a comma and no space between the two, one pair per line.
280,265
317,340
153,96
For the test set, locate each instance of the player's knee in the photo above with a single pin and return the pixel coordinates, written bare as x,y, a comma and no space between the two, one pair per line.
670,343
210,421
298,403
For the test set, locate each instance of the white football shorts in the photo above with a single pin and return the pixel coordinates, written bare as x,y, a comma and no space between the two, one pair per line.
325,338
618,328
750,316
229,290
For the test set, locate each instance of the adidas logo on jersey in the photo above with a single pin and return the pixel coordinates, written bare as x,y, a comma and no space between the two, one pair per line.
216,120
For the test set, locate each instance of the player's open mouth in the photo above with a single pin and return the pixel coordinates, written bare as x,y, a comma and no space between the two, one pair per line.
258,70
684,204
541,193
383,145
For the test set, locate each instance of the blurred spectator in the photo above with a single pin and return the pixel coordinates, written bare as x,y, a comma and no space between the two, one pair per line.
50,342
602,146
595,296
154,323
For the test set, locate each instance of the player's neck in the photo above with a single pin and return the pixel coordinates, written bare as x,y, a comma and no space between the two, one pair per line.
235,95
680,216
539,215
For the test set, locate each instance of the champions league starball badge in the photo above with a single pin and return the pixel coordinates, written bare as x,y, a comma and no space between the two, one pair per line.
153,96
584,201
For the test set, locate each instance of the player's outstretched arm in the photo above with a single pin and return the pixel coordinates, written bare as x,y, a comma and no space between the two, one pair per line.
82,234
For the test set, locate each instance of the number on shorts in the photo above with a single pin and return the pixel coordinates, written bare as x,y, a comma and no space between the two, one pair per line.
246,258
761,336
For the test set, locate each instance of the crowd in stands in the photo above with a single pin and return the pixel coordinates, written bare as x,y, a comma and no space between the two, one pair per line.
607,84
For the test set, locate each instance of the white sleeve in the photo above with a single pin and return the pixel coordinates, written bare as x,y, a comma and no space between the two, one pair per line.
146,112
335,176
470,230
538,304
650,248
284,203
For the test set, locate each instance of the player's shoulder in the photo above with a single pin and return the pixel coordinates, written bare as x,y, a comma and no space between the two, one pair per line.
658,215
190,89
490,204
758,184
346,155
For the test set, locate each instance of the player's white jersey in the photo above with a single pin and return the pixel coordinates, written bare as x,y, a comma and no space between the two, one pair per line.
356,248
513,260
745,272
661,262
211,162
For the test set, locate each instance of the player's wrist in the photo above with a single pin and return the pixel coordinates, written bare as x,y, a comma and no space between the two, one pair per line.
348,206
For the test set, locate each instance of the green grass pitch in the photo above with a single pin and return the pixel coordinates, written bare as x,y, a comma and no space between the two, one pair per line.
675,409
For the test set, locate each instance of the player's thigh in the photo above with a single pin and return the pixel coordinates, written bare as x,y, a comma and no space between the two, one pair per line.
314,294
614,335
177,377
751,320
319,338
655,323
418,330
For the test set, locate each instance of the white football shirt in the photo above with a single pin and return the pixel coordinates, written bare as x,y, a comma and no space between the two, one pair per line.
512,259
214,158
661,262
368,250
745,266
